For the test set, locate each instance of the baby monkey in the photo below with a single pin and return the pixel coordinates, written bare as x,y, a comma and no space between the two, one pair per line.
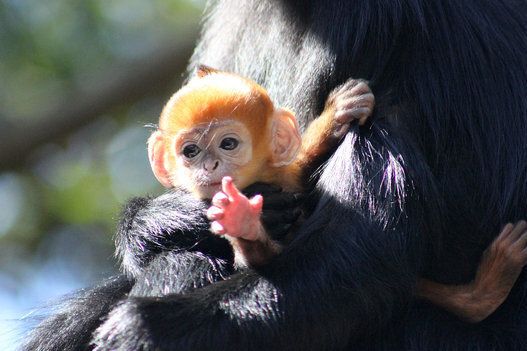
221,132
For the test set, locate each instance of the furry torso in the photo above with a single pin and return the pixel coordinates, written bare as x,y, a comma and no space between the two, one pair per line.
452,86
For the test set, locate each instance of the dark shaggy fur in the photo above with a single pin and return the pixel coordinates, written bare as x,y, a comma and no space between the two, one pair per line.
72,325
422,191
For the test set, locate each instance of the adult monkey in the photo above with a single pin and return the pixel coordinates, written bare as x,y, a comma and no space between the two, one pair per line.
444,161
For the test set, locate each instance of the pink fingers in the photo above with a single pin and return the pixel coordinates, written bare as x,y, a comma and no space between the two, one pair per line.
230,189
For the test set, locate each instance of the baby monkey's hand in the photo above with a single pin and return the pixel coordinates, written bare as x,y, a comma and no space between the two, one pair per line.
238,218
500,266
233,214
350,101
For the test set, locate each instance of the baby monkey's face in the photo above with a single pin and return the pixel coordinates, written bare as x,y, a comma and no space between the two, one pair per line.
208,152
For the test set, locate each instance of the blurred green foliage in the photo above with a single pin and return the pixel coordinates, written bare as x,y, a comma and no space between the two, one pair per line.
49,48
60,210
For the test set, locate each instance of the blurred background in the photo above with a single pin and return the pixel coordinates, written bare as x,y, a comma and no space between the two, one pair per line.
79,80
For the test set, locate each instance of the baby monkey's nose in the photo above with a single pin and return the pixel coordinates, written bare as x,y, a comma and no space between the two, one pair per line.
211,165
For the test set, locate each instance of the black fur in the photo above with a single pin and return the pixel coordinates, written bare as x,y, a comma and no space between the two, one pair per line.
173,222
422,191
72,325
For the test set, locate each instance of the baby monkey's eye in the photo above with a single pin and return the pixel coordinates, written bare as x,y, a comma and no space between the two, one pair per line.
229,144
191,151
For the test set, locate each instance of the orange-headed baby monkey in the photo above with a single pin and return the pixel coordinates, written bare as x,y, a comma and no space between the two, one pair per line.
221,132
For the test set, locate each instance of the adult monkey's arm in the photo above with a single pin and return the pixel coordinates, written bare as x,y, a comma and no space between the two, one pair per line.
147,229
164,243
344,273
175,222
74,320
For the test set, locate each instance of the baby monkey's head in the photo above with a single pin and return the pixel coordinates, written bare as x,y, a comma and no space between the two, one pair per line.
220,124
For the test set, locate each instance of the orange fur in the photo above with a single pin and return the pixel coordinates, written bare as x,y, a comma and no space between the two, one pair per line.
214,96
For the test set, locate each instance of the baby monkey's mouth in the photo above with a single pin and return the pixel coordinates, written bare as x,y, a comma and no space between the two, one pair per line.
207,189
206,181
210,182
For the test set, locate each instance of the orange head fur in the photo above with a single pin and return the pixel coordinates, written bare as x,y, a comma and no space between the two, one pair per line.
218,96
215,97
211,104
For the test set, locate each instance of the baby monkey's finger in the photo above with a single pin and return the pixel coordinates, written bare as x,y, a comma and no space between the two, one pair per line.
521,243
229,188
349,100
524,251
214,213
518,229
220,200
505,231
256,203
359,113
346,86
360,88
217,228
350,87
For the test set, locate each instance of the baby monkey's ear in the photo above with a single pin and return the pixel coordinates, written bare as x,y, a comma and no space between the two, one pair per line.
285,138
204,70
157,158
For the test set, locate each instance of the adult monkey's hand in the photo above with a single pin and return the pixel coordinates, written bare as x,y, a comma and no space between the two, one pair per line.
280,209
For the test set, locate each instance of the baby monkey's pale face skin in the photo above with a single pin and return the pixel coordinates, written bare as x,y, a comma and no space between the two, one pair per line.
208,152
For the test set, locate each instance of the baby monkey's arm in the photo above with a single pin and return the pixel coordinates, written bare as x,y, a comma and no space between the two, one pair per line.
238,217
350,101
500,266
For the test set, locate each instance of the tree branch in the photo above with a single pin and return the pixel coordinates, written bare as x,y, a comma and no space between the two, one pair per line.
154,72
